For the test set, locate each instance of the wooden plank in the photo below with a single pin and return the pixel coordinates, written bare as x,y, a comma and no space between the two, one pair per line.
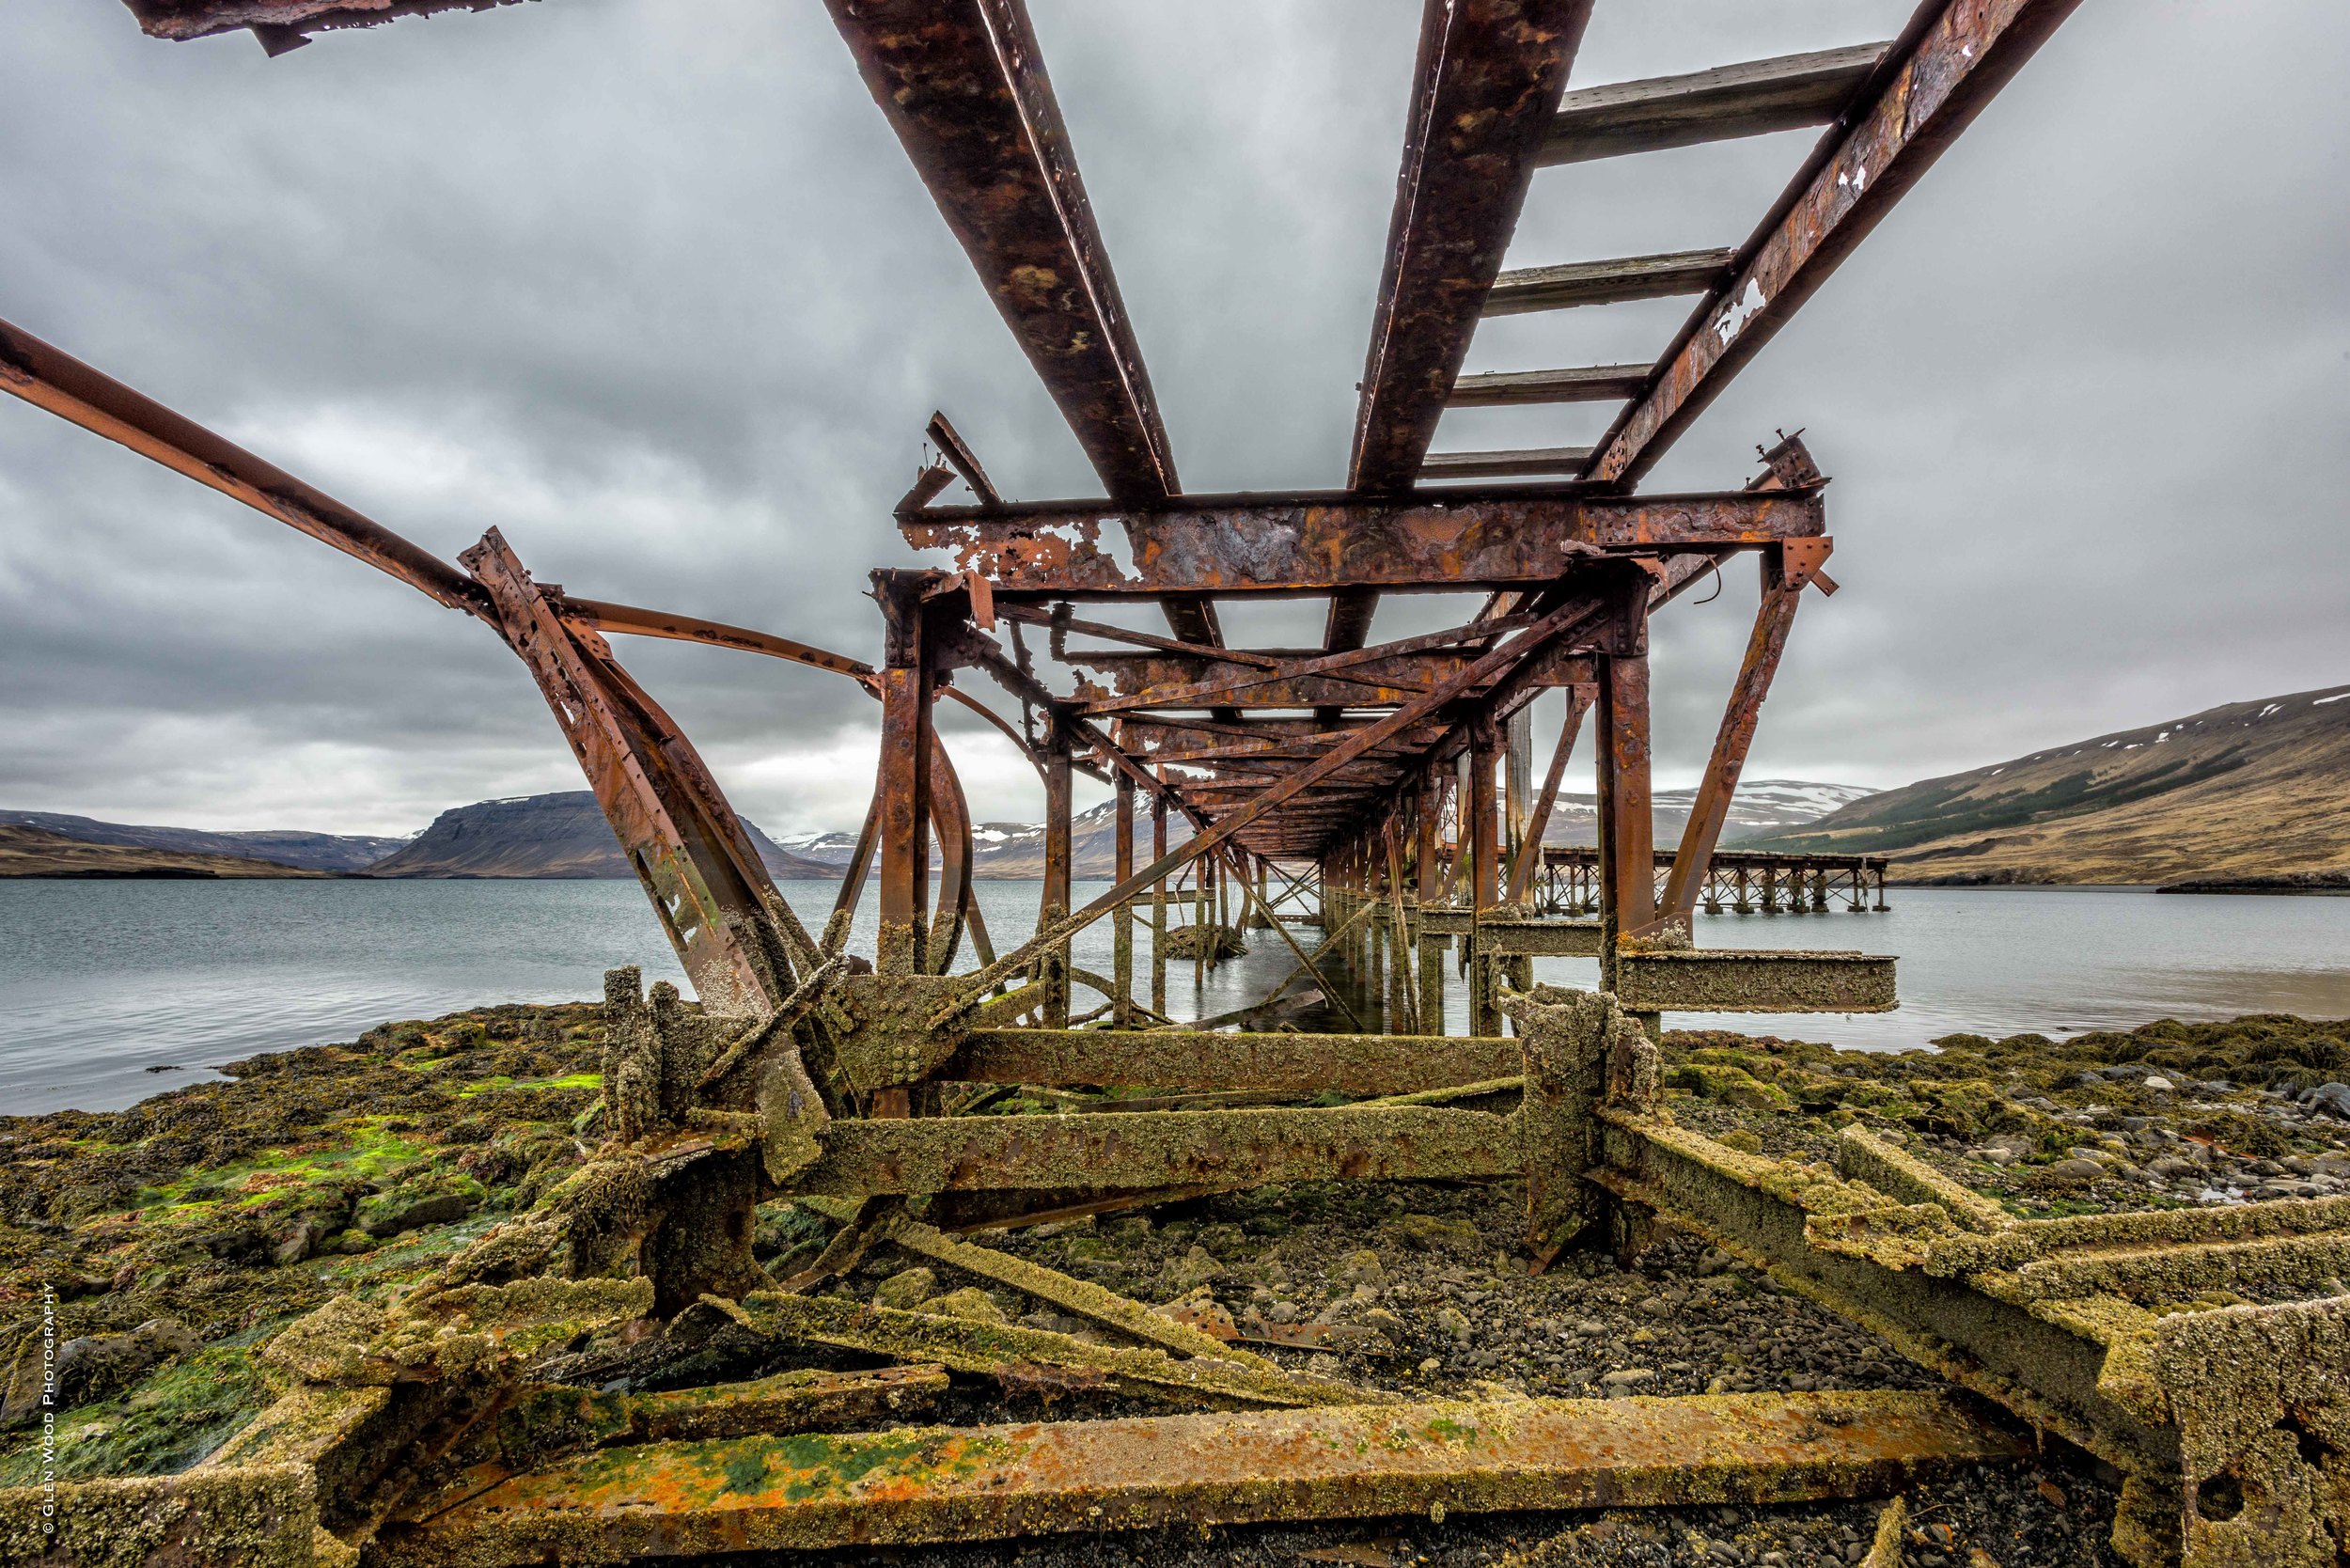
1496,466
1735,981
1188,1059
1522,289
1160,1149
1584,383
1783,93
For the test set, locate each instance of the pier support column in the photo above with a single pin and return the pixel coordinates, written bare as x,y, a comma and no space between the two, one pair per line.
1158,903
1122,934
1627,845
1480,843
905,783
1057,871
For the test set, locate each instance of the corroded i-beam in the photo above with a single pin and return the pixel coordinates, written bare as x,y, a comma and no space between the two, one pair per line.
921,1485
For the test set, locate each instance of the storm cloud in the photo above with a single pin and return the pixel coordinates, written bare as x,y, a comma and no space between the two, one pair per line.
650,286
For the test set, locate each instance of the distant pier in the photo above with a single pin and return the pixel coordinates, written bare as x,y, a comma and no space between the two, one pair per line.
1736,882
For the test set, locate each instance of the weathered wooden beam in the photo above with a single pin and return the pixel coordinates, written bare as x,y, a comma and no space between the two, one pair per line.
1504,465
1940,74
1539,938
1484,89
1185,1060
1741,980
1588,383
1784,93
931,1154
1524,290
917,1484
1293,545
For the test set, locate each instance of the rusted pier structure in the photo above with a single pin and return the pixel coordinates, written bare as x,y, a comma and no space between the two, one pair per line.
1314,780
1736,882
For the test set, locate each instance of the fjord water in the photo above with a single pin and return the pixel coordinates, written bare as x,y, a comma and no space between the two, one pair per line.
99,982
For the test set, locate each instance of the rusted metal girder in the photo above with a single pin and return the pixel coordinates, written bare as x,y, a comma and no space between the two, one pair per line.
1483,91
732,931
1304,545
964,86
915,1484
1146,683
1942,71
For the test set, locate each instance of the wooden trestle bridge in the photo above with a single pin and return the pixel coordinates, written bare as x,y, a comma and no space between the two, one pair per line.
846,1079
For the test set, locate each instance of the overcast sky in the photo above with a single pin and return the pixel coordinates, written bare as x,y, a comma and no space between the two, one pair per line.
650,287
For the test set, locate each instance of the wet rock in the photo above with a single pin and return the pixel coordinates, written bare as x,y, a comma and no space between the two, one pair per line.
907,1290
970,1302
2076,1169
1362,1268
403,1210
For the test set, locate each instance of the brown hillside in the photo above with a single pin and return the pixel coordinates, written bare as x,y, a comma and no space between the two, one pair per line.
31,852
2255,788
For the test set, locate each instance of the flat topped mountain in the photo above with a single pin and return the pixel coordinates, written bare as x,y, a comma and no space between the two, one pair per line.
561,835
2251,790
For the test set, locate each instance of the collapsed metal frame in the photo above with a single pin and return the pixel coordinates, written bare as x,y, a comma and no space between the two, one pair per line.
810,1075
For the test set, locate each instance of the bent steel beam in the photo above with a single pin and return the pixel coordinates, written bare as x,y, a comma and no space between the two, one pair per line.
711,893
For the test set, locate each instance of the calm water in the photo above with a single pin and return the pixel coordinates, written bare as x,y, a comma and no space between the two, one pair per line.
101,980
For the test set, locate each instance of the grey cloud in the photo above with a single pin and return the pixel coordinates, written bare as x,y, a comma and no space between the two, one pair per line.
653,289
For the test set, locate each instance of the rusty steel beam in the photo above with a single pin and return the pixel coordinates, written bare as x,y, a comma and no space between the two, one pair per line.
902,785
1293,546
963,85
1586,384
1484,89
1525,290
707,884
1773,619
920,1485
1943,70
51,379
1746,100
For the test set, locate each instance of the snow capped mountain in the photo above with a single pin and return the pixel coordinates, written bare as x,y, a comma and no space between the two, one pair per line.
1760,806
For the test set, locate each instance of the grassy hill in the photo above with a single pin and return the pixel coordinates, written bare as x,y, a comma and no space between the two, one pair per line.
2251,790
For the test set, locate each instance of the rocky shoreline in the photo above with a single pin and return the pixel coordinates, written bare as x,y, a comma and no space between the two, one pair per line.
174,1238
